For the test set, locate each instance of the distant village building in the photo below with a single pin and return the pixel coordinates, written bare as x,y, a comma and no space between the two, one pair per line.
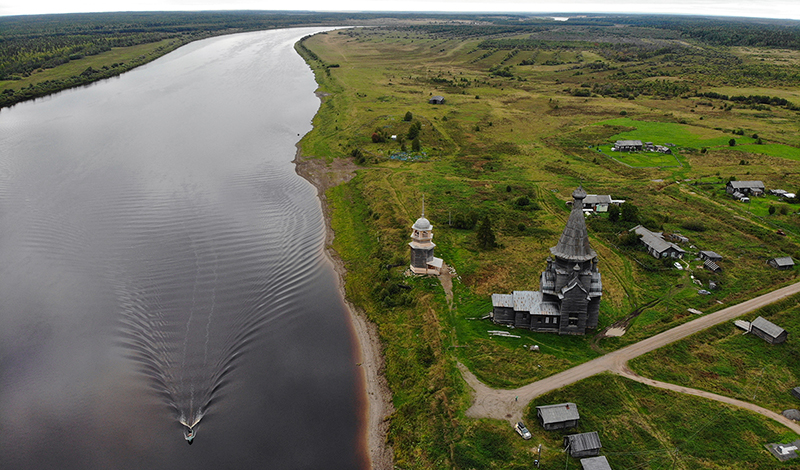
746,188
595,463
785,262
795,392
768,331
422,259
628,146
656,245
436,100
586,444
560,416
568,301
638,146
706,254
784,452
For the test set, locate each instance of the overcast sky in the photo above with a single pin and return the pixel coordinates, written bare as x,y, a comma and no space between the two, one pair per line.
786,9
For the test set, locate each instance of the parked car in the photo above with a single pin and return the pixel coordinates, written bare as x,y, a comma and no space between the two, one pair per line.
522,430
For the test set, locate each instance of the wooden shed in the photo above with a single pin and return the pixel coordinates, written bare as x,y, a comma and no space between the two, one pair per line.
560,416
436,100
586,444
795,392
785,262
768,331
707,254
595,463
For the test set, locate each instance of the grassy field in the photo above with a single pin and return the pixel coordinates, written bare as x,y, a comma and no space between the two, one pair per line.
727,362
642,428
519,130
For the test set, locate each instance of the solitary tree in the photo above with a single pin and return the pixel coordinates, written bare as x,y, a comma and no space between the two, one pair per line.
613,213
486,237
732,142
415,144
408,117
630,213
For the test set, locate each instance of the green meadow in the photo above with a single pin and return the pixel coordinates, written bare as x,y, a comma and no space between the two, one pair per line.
519,130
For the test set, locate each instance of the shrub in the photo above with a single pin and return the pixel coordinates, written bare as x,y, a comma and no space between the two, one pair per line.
408,117
694,225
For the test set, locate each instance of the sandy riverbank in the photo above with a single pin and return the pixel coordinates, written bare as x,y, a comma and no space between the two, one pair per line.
378,396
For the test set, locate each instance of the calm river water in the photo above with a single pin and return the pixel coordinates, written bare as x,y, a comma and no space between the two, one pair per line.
160,261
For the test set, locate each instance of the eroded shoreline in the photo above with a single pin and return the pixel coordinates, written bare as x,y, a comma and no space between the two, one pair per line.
377,399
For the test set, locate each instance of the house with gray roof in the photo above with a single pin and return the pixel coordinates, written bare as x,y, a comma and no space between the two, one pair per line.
570,288
656,245
768,331
586,444
785,262
707,254
595,463
560,416
628,146
597,202
747,188
795,392
436,99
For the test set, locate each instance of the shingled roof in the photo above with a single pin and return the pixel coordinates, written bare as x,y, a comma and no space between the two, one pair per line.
574,242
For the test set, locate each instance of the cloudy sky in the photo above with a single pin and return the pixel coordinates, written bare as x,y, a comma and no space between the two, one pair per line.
787,9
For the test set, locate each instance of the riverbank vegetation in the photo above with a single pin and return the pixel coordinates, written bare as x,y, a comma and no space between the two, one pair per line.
531,108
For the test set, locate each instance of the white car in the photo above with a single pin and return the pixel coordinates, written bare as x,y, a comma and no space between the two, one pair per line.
522,430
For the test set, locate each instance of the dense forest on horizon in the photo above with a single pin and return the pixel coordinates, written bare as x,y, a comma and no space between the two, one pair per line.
35,43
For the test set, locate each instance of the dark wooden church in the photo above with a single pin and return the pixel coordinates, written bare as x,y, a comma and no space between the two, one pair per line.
568,299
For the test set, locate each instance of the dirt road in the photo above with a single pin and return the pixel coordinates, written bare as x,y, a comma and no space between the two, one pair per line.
509,404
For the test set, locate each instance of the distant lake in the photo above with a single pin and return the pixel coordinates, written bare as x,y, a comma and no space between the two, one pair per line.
161,262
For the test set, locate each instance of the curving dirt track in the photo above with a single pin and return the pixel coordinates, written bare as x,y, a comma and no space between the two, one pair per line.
510,404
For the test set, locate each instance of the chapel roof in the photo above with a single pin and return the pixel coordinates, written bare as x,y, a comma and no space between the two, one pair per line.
574,242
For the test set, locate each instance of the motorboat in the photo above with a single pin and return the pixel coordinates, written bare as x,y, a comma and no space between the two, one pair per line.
188,434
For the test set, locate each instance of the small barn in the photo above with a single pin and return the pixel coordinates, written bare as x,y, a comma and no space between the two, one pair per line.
795,392
586,444
560,416
785,262
768,331
595,463
704,255
436,100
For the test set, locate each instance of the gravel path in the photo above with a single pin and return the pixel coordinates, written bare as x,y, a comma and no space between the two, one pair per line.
510,404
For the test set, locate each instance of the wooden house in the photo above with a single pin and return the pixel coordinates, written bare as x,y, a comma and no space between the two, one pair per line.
768,331
785,262
656,245
436,100
595,463
586,444
560,416
748,188
628,146
795,392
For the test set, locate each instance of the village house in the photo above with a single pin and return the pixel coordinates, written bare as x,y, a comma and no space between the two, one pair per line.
586,444
422,259
595,463
784,262
656,245
627,146
560,416
436,100
796,392
746,188
568,299
768,331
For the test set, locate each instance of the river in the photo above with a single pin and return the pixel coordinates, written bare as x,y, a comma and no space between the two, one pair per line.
161,262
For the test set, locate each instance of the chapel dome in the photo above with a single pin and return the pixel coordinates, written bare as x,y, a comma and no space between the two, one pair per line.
422,224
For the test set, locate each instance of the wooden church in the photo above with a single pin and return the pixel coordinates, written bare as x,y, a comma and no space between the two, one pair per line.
568,299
